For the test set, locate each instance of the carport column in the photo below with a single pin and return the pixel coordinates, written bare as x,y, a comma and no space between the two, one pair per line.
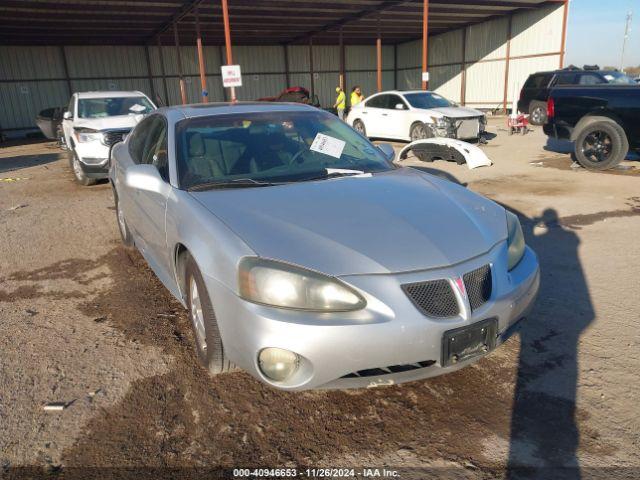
285,51
162,72
463,68
506,65
201,67
341,46
313,82
563,41
425,42
150,73
183,91
227,42
65,67
379,57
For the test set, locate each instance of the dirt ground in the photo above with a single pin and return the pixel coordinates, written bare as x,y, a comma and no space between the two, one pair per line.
86,323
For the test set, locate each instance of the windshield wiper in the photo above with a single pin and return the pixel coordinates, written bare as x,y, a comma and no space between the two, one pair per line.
335,173
234,183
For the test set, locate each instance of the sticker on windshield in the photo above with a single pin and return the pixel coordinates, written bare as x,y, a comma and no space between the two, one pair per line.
137,108
609,78
328,145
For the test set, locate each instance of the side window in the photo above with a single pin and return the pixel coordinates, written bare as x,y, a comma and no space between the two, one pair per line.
379,101
155,149
138,138
590,79
566,79
393,100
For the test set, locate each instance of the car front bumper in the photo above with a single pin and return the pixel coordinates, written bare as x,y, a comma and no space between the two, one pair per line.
390,331
94,159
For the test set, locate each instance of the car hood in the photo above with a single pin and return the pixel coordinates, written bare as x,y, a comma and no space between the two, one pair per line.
457,112
109,123
396,221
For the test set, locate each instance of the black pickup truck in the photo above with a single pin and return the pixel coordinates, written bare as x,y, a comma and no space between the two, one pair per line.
603,121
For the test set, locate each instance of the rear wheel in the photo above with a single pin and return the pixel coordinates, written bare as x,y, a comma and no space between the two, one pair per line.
209,346
78,173
601,144
538,113
358,126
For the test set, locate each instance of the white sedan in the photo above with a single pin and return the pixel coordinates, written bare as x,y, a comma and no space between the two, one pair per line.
415,115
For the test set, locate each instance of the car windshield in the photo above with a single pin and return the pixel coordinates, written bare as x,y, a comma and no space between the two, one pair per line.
270,147
619,78
113,106
427,100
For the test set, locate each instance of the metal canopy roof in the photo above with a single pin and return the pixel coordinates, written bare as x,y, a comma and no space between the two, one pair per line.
126,22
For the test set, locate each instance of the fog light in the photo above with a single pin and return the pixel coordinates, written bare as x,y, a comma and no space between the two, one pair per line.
278,364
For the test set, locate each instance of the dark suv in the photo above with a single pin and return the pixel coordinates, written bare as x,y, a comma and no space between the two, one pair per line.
535,92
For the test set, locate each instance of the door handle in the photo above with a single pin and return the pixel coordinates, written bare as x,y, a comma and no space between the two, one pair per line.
385,114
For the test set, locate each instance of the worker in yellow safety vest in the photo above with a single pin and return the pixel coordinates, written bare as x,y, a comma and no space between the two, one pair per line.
356,95
341,103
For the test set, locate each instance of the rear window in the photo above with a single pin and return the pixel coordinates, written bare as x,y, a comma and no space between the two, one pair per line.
538,81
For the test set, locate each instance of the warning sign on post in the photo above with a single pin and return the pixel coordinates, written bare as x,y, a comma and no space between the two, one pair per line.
231,76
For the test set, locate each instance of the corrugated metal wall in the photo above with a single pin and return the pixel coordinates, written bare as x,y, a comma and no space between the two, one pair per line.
125,68
34,78
536,37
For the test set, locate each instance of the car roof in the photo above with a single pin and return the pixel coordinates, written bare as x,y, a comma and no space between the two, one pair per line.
400,92
110,94
226,108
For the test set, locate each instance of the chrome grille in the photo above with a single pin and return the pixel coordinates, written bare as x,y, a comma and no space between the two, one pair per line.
111,137
434,298
478,285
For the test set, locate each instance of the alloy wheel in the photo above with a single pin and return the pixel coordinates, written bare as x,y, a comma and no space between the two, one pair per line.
597,146
197,316
418,133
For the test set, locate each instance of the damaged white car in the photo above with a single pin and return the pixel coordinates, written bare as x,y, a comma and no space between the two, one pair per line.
415,115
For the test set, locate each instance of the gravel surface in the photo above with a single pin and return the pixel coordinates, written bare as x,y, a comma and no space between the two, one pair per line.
86,323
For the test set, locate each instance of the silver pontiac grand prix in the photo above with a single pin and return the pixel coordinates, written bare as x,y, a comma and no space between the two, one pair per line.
305,257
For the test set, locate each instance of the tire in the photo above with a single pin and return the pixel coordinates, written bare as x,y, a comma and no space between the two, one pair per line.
537,113
600,144
209,348
127,239
79,175
359,127
419,131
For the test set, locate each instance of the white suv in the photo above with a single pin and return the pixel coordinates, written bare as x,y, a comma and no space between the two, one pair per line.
94,122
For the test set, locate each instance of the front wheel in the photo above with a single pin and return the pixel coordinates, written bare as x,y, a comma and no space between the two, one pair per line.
127,239
209,346
419,131
78,173
601,145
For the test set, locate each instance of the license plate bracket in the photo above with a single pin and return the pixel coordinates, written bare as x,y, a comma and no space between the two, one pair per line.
468,342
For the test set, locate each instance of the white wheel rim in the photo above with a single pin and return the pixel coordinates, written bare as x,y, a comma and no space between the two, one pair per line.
123,227
359,127
197,317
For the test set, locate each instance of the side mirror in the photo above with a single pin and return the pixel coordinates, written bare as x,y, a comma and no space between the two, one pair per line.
147,178
399,106
67,116
387,150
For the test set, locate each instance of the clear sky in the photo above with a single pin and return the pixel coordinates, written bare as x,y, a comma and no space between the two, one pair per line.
596,29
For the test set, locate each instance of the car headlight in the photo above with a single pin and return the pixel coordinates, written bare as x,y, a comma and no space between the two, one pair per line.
515,241
85,136
282,285
442,122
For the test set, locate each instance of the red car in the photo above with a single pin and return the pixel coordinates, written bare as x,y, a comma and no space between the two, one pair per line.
294,95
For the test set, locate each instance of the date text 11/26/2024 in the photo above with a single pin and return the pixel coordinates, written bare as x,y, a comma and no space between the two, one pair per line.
315,473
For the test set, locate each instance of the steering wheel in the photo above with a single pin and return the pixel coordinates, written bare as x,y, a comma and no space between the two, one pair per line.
297,155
